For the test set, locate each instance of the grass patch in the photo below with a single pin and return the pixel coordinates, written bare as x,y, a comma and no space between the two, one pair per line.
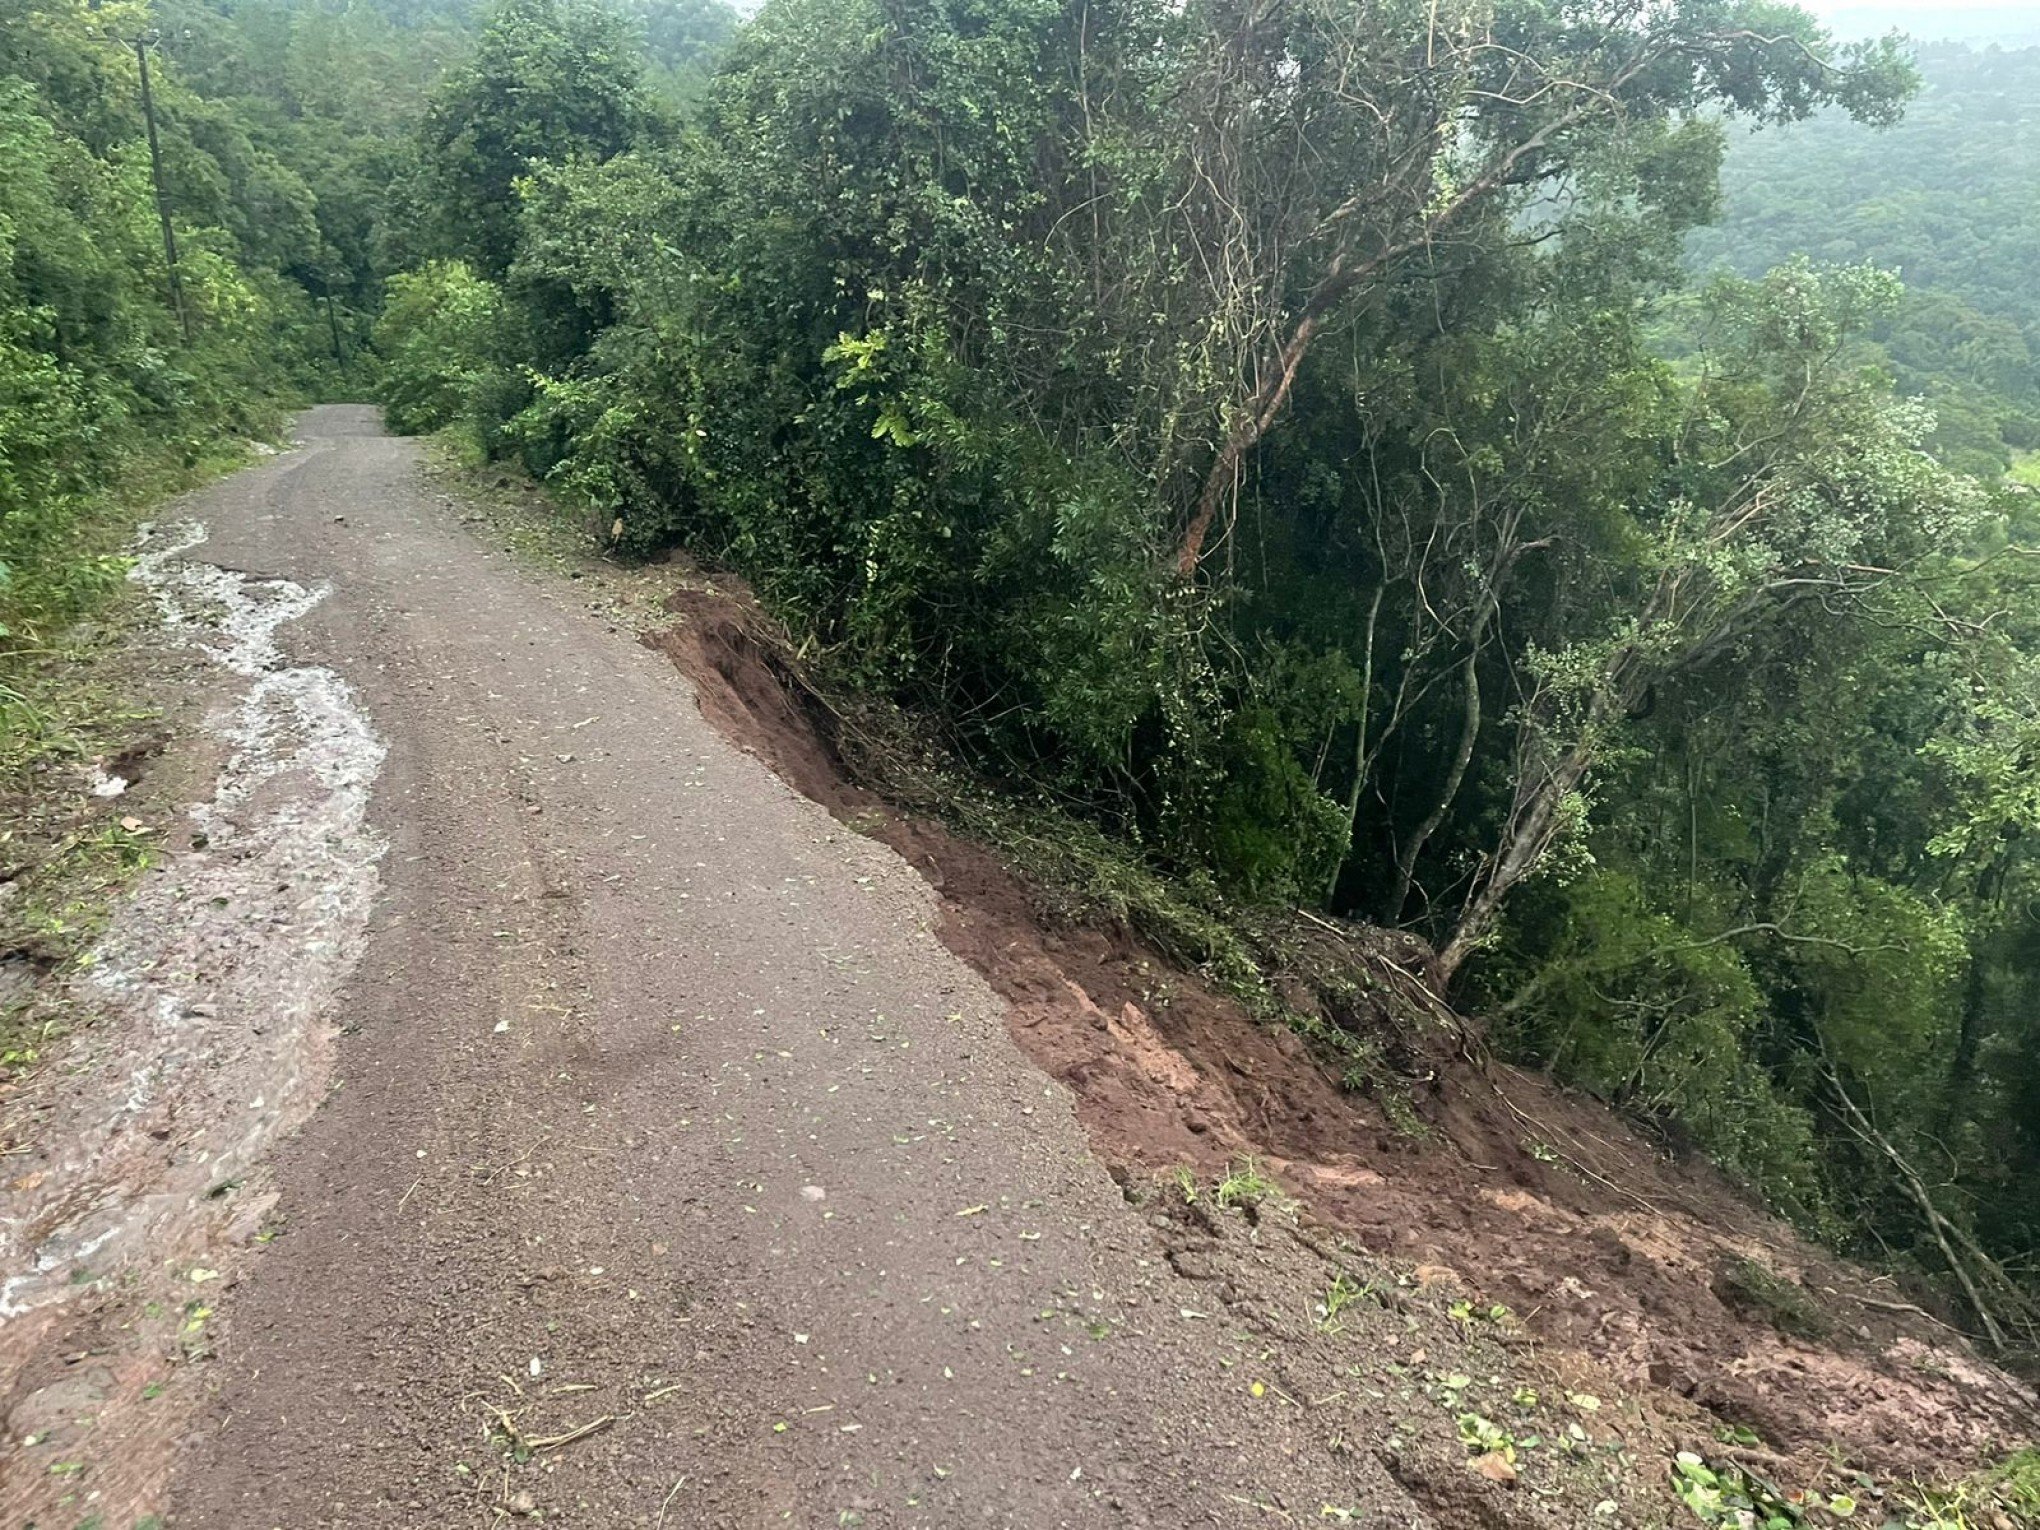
60,906
1721,1492
1243,1185
2006,1494
1342,1293
65,856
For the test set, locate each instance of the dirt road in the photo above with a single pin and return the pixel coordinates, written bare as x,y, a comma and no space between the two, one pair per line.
667,1171
503,1100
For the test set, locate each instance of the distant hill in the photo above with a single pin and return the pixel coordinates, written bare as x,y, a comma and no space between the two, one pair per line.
1950,198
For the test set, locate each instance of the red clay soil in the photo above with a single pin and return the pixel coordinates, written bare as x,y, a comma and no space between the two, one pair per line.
1650,1275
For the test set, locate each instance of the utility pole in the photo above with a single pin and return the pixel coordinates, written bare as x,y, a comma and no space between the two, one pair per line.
142,45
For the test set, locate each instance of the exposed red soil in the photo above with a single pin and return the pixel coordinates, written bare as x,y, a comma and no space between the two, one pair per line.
1632,1264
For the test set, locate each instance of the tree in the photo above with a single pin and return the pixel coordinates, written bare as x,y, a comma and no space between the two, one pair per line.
551,81
1338,140
1794,482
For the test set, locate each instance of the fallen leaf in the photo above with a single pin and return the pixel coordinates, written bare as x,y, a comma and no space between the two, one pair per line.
1495,1467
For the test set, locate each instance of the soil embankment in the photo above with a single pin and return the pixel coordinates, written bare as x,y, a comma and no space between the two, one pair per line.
1649,1270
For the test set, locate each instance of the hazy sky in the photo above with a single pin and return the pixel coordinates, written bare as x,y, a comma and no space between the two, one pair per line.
2001,8
1932,18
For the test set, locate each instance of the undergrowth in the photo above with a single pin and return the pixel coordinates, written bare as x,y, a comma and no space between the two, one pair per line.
1727,1494
61,905
1746,1287
60,590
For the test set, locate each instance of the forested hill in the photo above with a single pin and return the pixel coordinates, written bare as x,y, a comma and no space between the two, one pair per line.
1287,441
1950,199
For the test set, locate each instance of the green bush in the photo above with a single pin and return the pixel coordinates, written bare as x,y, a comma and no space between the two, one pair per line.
1611,991
438,338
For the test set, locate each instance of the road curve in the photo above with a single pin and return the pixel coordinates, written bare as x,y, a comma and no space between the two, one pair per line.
672,1173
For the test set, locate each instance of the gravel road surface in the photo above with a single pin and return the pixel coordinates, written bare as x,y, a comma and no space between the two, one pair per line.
670,1172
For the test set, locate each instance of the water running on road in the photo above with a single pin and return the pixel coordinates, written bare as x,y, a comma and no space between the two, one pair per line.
213,981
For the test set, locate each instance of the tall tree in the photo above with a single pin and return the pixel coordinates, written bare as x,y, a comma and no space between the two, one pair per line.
552,81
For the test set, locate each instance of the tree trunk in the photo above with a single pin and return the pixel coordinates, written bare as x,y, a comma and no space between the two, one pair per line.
1534,818
1261,414
1937,1224
1469,732
1361,762
1533,825
1342,277
1975,995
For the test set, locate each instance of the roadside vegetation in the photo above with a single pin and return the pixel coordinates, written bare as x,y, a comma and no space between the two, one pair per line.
1289,440
116,390
1339,509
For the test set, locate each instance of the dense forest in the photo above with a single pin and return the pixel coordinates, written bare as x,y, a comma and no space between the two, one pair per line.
1947,199
1322,443
107,370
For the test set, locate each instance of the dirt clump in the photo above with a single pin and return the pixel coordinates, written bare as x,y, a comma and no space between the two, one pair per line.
1649,1273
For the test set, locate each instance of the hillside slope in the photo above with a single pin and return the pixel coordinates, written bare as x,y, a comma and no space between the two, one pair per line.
1648,1275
